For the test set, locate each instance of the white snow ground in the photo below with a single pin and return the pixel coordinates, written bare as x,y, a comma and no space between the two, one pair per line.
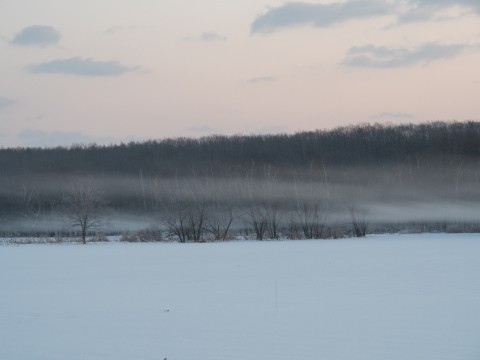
380,298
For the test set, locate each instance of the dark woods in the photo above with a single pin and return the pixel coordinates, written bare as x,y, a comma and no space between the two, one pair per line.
364,145
320,184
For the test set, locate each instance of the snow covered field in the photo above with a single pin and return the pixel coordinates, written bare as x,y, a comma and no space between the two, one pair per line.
380,298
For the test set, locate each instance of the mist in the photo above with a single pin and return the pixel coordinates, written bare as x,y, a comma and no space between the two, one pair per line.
383,195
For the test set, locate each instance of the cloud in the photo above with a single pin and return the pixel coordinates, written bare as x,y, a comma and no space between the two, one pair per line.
6,102
37,35
269,130
117,28
320,15
207,37
294,14
370,56
424,10
38,138
392,115
114,29
203,129
261,79
82,67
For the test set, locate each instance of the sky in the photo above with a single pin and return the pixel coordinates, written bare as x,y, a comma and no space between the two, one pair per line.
107,71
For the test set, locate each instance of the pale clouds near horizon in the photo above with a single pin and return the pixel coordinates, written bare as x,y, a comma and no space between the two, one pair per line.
109,69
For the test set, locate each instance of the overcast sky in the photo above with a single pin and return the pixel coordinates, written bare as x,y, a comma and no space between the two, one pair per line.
111,70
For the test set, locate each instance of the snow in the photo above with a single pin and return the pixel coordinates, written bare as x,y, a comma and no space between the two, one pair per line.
383,297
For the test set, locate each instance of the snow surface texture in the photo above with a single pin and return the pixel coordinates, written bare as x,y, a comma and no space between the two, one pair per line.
383,297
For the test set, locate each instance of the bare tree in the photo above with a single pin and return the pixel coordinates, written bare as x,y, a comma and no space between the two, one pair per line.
85,208
272,222
185,210
265,221
312,221
359,221
186,221
258,219
196,215
176,221
219,224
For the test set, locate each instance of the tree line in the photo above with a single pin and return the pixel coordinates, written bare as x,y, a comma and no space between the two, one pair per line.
365,145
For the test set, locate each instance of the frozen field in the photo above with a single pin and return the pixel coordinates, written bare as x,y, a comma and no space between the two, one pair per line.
380,298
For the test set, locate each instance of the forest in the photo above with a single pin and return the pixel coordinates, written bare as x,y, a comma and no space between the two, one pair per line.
346,181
